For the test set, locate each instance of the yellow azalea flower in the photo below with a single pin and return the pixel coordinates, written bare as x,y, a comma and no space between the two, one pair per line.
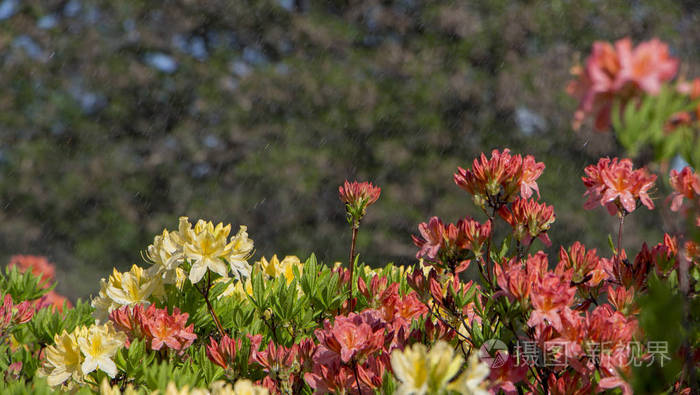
274,267
107,389
102,303
125,289
172,389
98,346
471,381
241,250
166,255
242,387
135,287
238,289
411,368
422,372
209,249
63,358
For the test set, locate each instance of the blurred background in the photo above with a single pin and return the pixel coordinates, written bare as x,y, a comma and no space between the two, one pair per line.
117,117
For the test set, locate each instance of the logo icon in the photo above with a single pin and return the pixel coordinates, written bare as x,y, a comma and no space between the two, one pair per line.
494,353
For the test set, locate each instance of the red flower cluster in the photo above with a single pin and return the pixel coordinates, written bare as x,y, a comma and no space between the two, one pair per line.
686,185
499,180
223,352
357,196
617,186
284,363
529,220
16,314
353,343
586,267
155,326
619,72
449,244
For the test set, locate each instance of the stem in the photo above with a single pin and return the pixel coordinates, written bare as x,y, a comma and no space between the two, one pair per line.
357,377
619,235
355,229
205,294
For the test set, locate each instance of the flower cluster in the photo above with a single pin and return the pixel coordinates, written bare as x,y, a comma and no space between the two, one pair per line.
125,289
205,247
500,179
449,245
16,314
357,196
430,372
77,354
618,187
155,326
619,72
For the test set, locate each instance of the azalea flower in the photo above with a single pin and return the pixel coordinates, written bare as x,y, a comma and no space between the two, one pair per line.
529,220
155,326
686,185
137,286
500,179
351,337
619,72
275,268
357,196
587,268
63,358
99,344
550,295
423,372
617,186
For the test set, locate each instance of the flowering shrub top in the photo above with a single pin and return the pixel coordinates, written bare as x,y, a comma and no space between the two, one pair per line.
197,318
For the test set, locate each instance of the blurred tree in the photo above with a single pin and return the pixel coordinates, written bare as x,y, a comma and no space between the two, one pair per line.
118,117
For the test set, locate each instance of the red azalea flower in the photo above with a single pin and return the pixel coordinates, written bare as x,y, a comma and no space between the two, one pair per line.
223,352
615,185
587,268
431,239
11,313
647,66
529,219
155,326
505,376
620,72
549,296
685,184
357,196
501,179
569,383
351,338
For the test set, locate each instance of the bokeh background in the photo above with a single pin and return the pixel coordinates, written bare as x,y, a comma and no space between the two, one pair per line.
117,117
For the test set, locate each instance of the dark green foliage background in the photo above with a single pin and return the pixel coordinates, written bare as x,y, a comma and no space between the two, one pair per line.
99,150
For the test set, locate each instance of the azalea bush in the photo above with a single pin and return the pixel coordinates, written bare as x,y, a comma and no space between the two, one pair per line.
484,309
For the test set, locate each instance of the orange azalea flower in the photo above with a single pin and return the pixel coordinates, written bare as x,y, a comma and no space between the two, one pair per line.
619,72
529,220
549,296
617,186
685,184
587,267
647,66
500,179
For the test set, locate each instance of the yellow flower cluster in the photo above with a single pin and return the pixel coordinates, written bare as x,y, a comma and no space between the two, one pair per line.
271,269
125,289
77,354
205,246
241,387
429,372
